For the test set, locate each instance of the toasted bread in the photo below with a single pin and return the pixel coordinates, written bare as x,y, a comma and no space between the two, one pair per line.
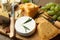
46,29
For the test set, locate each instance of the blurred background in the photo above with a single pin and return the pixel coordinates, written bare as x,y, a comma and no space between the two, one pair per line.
43,2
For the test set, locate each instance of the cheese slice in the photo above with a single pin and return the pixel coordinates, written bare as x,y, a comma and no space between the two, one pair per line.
29,28
18,14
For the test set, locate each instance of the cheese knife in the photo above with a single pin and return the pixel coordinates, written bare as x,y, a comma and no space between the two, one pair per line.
56,23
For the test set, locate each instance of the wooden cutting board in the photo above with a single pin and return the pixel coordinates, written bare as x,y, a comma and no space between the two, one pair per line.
34,36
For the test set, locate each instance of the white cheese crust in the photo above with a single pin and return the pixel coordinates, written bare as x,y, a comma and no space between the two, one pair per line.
21,30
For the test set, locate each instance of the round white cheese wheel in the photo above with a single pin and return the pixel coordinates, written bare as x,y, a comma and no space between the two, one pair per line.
25,27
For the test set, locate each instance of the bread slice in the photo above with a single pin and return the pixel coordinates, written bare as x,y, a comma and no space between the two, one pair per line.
46,29
39,19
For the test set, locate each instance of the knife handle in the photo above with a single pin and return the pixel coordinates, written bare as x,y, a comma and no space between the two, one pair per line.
57,23
12,29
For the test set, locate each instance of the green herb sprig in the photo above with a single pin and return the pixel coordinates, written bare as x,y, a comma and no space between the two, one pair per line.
26,28
27,21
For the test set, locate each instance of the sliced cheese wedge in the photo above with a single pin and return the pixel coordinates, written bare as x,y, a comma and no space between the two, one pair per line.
46,29
29,9
18,14
25,26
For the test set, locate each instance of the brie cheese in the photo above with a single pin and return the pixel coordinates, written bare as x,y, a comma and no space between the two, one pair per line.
25,29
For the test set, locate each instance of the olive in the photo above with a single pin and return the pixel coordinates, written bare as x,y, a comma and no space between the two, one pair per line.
58,18
50,12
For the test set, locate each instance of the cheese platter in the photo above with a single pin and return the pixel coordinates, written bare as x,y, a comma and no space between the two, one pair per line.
30,23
